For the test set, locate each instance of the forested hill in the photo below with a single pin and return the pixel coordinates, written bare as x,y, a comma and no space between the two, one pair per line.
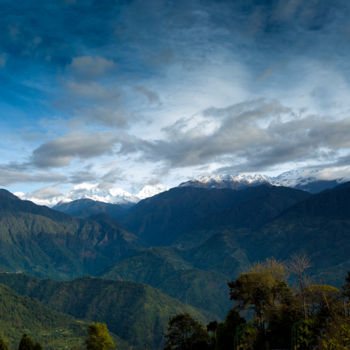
45,242
21,314
135,312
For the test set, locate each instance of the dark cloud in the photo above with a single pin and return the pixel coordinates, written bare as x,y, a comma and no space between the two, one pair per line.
60,152
10,176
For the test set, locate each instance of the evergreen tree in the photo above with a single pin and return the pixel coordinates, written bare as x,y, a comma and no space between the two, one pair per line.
26,343
98,337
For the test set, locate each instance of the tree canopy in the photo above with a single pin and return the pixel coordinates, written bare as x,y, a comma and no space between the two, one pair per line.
98,337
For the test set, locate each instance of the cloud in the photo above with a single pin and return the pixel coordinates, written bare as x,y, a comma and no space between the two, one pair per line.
61,151
88,67
10,176
254,136
152,96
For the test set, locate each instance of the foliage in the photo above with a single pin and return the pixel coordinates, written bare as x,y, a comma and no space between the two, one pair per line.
337,336
185,333
98,337
26,343
3,346
263,290
274,316
225,333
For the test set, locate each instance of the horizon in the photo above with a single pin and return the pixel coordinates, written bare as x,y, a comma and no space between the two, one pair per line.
103,96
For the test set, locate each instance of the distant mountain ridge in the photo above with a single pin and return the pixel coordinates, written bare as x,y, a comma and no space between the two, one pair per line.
86,207
171,217
309,181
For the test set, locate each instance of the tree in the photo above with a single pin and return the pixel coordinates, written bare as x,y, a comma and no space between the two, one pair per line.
264,291
185,333
26,343
38,346
298,264
226,331
3,346
98,337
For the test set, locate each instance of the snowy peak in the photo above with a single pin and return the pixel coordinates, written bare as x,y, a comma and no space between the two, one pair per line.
310,181
227,181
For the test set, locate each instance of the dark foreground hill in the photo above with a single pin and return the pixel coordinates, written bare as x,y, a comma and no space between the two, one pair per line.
135,312
45,242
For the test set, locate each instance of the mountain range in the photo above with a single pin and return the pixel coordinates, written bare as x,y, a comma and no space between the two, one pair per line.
308,181
177,248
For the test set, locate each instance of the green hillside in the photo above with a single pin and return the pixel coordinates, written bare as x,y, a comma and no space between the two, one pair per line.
21,314
44,242
165,269
135,312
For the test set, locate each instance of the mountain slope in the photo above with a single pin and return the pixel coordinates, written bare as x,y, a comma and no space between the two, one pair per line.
45,242
318,226
164,269
186,215
135,312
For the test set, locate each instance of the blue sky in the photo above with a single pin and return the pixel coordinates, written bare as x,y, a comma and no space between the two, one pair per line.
97,96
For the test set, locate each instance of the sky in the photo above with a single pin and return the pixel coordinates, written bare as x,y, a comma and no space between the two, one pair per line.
98,97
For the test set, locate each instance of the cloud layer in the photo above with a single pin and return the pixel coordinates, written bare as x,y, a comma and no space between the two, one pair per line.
124,95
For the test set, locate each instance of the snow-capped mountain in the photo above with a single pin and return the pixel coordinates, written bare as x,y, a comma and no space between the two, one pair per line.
310,181
151,190
114,195
227,181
